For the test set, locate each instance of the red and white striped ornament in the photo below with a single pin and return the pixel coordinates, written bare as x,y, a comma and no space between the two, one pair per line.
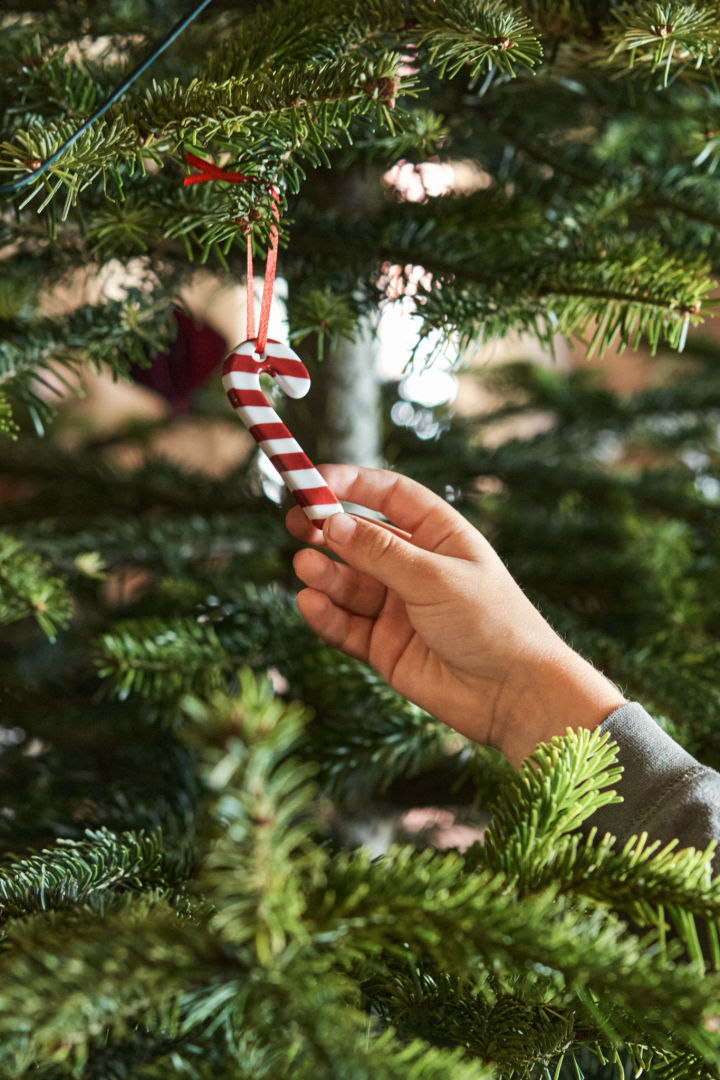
241,380
242,369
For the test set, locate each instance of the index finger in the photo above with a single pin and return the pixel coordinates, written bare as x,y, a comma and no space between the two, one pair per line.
431,523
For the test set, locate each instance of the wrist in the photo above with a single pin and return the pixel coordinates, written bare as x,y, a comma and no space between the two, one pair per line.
556,692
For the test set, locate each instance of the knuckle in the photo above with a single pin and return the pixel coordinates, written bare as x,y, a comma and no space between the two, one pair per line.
379,543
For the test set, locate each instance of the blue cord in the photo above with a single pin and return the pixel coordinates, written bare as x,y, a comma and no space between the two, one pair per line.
116,94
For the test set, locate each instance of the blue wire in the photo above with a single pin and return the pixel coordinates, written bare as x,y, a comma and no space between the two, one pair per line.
116,94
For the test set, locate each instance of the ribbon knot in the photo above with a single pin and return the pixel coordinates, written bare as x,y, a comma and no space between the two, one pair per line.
209,171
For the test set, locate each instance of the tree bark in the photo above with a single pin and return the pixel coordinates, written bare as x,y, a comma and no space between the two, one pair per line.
342,421
352,399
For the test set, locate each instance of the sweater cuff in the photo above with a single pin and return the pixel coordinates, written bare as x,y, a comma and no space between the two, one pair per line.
665,791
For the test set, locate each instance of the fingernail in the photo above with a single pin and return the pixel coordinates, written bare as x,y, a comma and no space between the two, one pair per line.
340,527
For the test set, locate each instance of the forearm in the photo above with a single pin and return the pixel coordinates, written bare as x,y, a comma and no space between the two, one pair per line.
557,691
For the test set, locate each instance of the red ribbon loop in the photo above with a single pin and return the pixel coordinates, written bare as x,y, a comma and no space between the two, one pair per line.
209,172
270,267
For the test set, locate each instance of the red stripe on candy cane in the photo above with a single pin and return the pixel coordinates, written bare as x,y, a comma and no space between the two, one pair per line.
246,397
261,432
242,362
286,462
309,498
241,380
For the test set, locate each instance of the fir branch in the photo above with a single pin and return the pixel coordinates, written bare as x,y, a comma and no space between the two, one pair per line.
164,660
92,764
26,589
42,84
665,36
384,736
617,296
657,886
206,110
467,34
264,799
260,626
174,545
74,870
558,787
531,838
593,967
420,1000
287,121
38,356
310,29
78,995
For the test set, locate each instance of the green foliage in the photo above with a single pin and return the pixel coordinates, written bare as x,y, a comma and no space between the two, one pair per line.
272,117
40,358
657,887
324,314
642,292
288,94
184,888
477,36
560,796
27,589
674,37
74,871
421,934
168,659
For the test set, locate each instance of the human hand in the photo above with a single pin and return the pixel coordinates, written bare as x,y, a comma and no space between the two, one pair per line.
430,605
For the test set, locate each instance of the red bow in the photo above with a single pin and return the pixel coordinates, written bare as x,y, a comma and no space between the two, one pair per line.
211,172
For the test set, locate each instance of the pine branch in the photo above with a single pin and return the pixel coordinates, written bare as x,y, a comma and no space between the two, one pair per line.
665,37
475,36
78,996
164,661
592,966
286,122
27,590
644,294
37,356
60,877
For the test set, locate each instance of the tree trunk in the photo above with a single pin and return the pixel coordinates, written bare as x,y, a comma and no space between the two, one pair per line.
352,400
341,420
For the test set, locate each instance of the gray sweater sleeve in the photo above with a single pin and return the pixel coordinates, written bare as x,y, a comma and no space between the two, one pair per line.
666,792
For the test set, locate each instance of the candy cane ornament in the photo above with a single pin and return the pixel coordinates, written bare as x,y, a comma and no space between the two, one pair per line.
241,380
242,369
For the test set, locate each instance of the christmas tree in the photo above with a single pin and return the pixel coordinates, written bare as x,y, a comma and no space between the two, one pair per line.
186,772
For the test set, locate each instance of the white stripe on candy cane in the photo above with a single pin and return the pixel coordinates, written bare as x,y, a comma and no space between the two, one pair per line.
315,513
241,381
252,415
280,446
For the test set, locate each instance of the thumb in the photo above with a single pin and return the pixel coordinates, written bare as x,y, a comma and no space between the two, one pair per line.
370,547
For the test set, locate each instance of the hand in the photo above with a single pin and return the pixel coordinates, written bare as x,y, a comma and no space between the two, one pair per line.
430,605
